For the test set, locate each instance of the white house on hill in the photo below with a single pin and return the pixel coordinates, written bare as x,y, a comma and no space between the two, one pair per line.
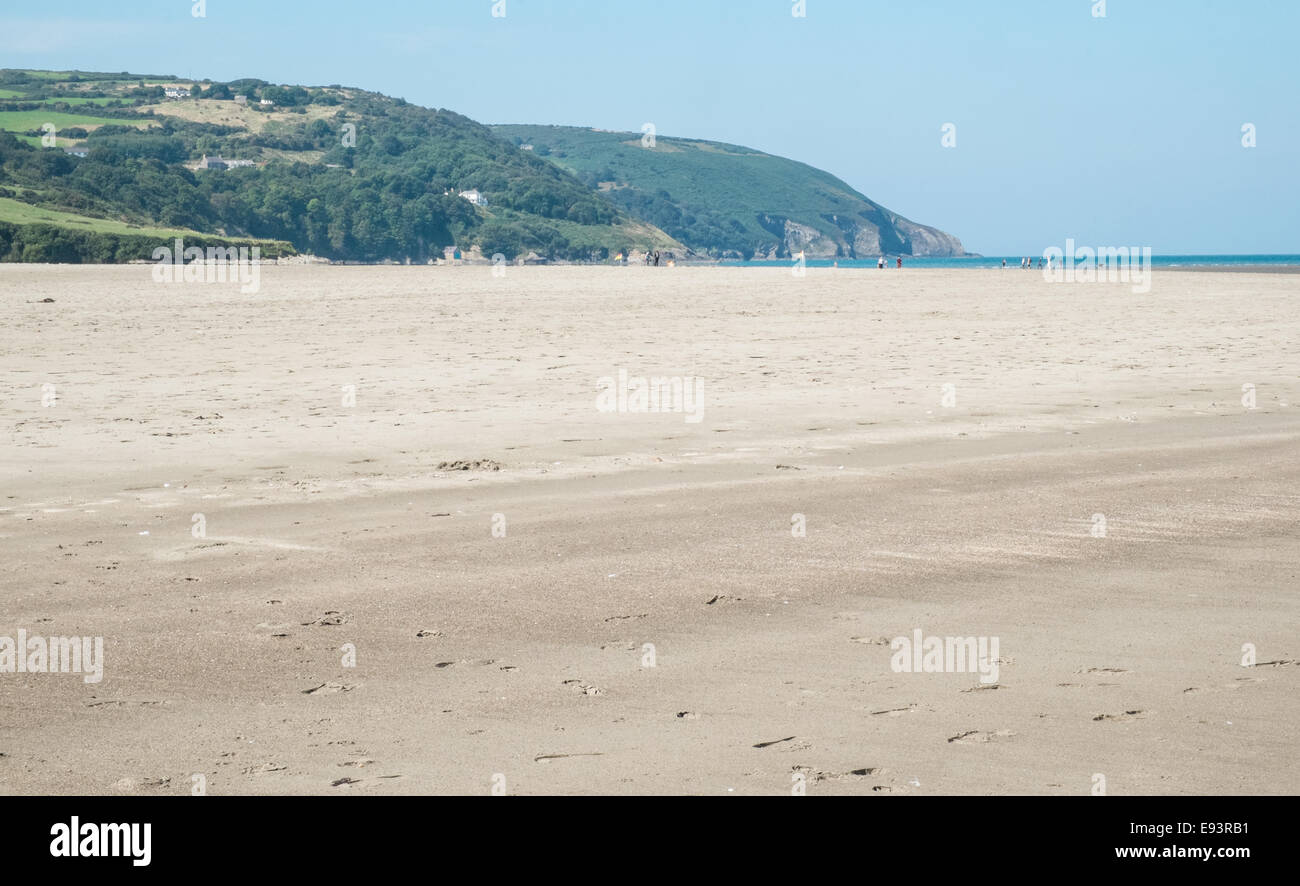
222,163
474,197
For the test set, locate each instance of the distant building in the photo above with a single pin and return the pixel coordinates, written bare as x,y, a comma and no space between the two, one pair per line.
241,99
474,197
176,92
222,163
525,147
266,103
75,152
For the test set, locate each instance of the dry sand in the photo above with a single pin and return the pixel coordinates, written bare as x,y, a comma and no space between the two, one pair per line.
523,658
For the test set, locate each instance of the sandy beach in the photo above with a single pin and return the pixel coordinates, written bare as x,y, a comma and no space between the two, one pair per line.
408,468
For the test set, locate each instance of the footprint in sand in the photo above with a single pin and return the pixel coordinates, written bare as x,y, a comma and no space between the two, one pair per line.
482,464
329,619
1242,681
816,775
475,662
135,784
583,688
977,737
547,758
1127,715
330,688
263,769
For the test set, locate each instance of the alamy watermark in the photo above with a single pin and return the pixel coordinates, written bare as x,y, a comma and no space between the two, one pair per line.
655,394
102,840
218,264
1084,264
919,654
53,655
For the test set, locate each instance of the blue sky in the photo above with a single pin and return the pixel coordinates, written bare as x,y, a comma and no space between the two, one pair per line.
1123,130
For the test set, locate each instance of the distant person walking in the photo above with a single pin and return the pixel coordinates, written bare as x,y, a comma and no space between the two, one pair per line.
900,263
881,263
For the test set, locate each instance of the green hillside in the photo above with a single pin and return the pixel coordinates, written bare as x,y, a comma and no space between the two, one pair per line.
338,172
730,201
352,175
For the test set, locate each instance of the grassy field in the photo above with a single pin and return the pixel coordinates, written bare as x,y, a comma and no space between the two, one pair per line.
19,213
10,93
76,100
46,75
14,212
24,121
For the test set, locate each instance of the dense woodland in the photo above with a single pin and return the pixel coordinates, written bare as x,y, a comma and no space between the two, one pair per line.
377,179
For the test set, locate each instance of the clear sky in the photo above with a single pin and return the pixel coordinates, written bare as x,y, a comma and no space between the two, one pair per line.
1122,130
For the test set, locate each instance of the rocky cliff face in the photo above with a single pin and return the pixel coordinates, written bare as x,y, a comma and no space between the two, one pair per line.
884,234
808,240
866,241
928,241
